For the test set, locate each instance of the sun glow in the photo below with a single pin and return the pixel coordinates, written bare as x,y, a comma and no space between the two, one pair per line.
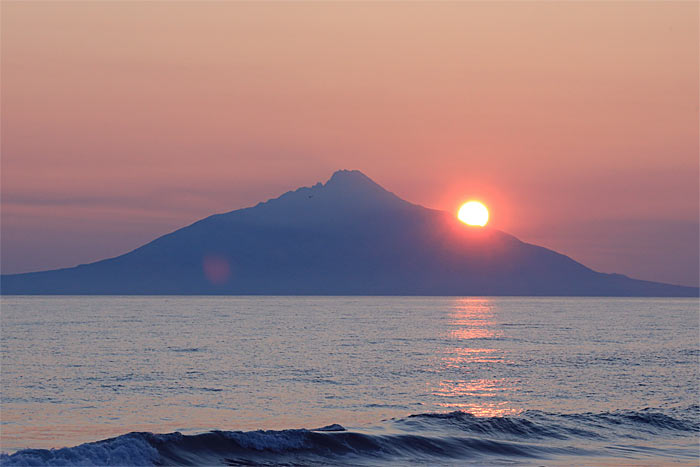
473,213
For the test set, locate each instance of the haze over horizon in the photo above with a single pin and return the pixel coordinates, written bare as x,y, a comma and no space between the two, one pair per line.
576,124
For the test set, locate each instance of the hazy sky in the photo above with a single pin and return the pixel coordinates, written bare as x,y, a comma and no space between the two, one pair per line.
575,123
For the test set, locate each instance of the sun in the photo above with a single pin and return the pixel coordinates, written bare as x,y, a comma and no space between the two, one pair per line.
473,213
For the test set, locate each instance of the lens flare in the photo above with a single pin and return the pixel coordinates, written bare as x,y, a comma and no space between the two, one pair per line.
473,213
217,269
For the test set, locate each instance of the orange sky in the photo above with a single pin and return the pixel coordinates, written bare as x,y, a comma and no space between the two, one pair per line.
576,123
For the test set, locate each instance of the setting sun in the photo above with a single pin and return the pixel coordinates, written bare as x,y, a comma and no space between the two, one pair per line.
473,213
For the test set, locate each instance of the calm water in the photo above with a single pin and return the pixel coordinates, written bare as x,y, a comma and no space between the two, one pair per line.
544,379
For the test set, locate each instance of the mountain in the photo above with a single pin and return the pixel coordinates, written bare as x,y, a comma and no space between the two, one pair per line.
348,236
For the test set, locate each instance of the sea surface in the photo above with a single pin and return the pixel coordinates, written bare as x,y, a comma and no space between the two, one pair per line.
349,381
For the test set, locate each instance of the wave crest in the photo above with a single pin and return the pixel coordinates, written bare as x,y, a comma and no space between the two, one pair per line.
421,437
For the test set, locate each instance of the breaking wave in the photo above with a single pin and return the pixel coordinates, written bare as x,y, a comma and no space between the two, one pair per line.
444,438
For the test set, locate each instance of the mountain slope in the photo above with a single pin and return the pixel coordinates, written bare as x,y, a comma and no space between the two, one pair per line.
347,236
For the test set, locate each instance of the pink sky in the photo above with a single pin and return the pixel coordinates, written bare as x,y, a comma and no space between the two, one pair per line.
576,123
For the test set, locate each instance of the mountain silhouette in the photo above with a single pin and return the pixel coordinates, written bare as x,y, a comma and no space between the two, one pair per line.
348,236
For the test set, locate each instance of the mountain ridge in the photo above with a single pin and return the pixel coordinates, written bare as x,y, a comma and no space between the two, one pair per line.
348,236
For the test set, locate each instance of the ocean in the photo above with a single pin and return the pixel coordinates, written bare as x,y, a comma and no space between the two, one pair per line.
174,380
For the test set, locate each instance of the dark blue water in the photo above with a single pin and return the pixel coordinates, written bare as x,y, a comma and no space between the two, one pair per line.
388,380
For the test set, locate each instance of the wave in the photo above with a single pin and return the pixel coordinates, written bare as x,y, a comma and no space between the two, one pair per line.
454,437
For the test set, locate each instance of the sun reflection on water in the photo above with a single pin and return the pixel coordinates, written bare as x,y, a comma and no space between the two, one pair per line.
457,356
484,409
473,318
478,387
469,365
